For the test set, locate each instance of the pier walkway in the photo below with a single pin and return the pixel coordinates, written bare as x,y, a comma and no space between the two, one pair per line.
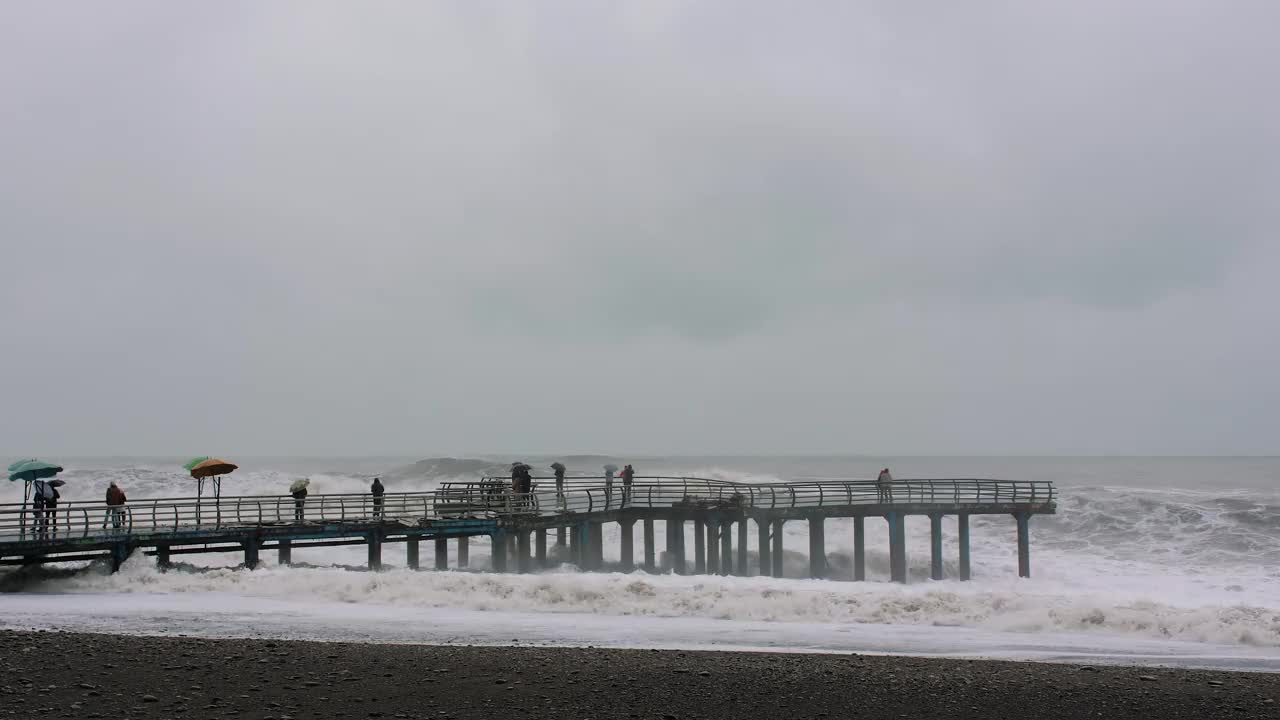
519,526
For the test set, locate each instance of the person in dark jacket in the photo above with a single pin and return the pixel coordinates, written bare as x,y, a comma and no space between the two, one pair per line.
884,486
299,503
115,505
51,509
377,491
559,469
628,474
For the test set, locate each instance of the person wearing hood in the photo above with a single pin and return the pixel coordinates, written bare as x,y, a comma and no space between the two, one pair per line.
559,469
377,491
115,506
609,470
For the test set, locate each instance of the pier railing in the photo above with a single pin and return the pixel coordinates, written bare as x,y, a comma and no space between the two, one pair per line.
492,498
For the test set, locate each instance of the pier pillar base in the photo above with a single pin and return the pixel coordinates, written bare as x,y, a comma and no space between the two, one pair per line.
726,548
251,554
464,551
597,546
162,557
699,546
375,552
499,542
817,547
675,545
859,548
1024,545
120,553
442,553
935,547
649,553
540,548
776,554
284,550
561,540
628,545
411,552
713,547
523,552
762,540
741,568
575,547
897,547
963,538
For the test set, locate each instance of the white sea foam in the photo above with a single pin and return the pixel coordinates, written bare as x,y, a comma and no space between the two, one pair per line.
1117,565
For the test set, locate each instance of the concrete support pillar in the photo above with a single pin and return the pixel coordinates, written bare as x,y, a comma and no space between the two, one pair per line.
742,569
777,548
499,542
713,547
511,547
162,557
1024,544
375,551
897,547
935,546
675,546
120,553
524,553
411,552
726,548
442,553
561,541
699,546
597,546
762,540
963,538
575,546
285,550
251,554
540,548
464,551
628,551
859,548
650,554
817,547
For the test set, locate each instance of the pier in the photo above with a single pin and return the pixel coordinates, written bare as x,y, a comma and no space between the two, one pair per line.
525,530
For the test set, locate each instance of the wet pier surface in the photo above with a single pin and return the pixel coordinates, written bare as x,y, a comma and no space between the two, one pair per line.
727,520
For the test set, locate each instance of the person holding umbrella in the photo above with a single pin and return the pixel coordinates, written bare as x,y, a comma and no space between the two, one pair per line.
559,469
29,472
51,505
609,470
299,492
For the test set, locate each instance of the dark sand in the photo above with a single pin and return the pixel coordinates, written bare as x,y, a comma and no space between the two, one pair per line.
64,675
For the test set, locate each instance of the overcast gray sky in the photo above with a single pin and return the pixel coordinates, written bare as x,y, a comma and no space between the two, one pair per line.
652,227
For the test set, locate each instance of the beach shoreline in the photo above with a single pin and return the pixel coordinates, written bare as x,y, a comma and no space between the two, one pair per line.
75,675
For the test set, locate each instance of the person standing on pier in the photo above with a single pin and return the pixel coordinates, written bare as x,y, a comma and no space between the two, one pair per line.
51,509
559,469
628,474
299,492
609,470
884,486
377,490
115,506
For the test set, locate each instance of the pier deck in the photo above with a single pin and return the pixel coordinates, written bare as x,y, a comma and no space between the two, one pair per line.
517,525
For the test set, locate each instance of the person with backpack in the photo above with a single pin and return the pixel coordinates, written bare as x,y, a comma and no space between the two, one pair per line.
628,474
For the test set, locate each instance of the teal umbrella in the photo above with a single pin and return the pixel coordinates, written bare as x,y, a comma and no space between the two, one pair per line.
28,471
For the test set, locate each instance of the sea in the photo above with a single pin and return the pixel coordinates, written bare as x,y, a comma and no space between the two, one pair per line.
1149,561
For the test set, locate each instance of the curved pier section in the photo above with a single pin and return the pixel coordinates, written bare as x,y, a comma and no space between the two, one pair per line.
522,528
